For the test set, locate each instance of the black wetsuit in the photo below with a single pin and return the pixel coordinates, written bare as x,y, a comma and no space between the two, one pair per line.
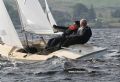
81,37
69,37
59,40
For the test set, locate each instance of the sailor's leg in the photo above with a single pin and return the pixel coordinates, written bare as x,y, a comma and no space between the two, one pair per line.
71,41
54,43
49,43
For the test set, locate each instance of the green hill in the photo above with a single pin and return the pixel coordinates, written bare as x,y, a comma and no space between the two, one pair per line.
62,10
96,3
103,9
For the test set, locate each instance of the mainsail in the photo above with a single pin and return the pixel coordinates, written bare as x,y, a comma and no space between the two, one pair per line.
33,17
8,33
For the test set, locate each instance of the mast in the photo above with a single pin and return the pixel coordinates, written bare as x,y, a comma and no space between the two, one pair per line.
23,30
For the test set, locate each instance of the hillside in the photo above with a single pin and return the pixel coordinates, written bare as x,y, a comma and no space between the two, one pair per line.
63,11
103,9
96,3
57,4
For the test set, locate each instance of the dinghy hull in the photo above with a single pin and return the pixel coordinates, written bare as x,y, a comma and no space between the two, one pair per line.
73,52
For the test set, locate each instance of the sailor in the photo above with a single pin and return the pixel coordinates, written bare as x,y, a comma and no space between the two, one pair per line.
81,37
78,33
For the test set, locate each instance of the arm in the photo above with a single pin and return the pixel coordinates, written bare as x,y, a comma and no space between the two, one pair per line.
60,28
67,32
63,28
71,29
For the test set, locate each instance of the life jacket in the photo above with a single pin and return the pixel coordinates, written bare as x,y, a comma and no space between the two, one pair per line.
72,27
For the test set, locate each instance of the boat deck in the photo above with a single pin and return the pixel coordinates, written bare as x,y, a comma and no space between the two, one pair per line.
72,52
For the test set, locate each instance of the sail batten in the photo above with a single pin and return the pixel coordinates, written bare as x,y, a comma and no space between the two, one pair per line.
33,17
8,33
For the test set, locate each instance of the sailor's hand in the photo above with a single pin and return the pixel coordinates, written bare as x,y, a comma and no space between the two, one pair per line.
54,26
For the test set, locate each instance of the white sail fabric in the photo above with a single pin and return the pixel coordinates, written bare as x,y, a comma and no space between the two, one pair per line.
35,19
49,14
8,33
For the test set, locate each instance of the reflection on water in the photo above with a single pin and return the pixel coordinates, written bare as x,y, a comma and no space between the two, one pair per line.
65,70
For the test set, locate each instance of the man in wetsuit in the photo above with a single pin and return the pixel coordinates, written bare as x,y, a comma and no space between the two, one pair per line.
81,37
78,33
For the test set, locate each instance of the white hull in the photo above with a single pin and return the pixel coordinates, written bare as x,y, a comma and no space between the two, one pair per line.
73,52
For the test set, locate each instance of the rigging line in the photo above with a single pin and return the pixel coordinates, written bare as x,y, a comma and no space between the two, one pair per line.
25,1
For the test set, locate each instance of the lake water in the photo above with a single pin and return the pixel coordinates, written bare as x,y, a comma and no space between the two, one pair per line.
105,69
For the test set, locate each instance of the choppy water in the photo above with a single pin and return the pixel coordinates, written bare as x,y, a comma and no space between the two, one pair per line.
105,69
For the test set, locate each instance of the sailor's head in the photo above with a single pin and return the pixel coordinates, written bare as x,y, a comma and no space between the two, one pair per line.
83,23
77,23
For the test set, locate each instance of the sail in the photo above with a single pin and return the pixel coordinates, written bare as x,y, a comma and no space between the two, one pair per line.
33,17
49,14
8,33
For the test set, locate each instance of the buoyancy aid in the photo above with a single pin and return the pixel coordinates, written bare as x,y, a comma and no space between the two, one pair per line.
72,27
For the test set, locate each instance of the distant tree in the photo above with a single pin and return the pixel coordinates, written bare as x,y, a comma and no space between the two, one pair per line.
100,15
62,18
98,23
80,11
92,14
116,13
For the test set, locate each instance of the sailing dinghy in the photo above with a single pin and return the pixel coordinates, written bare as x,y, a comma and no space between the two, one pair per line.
34,20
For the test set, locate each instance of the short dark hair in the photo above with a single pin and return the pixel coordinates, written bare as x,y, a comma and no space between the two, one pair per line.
77,23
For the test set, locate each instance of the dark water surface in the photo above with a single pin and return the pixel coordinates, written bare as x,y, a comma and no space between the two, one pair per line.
105,69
